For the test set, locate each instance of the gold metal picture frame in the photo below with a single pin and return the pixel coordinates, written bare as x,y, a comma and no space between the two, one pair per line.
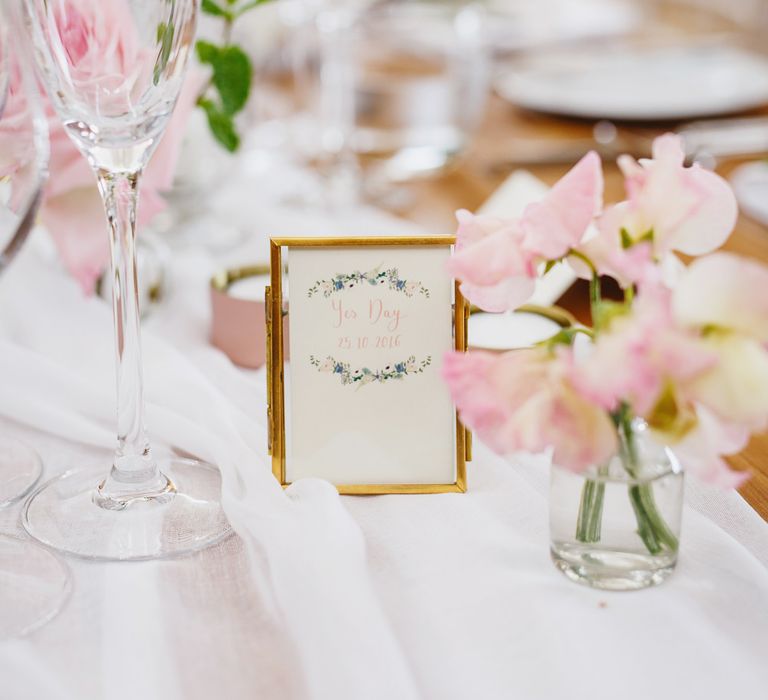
276,361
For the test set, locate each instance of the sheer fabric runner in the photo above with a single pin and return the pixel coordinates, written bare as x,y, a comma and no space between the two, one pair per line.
321,597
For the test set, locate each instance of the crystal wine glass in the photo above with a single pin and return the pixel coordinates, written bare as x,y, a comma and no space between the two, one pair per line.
33,581
23,162
113,70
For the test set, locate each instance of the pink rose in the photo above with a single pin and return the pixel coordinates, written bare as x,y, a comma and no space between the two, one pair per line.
105,61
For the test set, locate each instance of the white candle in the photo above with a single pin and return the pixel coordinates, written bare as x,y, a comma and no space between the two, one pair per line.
506,331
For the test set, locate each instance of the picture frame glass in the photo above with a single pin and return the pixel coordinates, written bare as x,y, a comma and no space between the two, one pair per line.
368,327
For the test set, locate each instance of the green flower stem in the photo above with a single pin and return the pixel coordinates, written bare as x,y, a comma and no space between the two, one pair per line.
666,539
595,296
590,517
644,528
651,528
586,508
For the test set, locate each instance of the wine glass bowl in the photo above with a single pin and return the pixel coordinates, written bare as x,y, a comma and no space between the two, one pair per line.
114,70
34,582
23,170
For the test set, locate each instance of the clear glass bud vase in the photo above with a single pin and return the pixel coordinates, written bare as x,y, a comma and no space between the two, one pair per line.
616,526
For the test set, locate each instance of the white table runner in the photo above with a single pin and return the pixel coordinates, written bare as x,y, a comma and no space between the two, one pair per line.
439,596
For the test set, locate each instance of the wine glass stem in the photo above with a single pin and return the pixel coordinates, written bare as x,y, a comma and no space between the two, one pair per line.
134,473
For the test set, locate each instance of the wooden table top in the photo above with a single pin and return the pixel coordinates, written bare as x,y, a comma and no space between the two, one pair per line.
504,130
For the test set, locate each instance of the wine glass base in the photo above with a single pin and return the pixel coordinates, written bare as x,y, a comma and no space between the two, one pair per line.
63,514
35,584
20,469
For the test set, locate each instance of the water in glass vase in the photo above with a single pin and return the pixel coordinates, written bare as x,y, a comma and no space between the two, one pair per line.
617,526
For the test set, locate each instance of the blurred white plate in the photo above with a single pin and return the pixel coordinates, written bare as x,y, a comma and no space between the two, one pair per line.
515,25
640,83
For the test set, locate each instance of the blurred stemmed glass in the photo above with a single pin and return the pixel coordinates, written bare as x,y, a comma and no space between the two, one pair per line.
113,70
34,582
400,87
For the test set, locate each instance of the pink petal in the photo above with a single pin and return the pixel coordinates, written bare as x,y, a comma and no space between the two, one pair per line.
469,379
77,222
582,434
668,149
521,400
473,228
558,222
736,387
507,295
605,251
491,258
709,224
701,452
725,291
641,353
690,210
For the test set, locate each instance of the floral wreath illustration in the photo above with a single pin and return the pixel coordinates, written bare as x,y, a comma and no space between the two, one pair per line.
375,278
364,375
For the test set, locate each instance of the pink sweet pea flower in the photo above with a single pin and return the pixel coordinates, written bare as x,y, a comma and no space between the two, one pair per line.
726,298
691,360
497,273
687,209
604,250
736,387
102,54
497,259
642,355
725,292
523,401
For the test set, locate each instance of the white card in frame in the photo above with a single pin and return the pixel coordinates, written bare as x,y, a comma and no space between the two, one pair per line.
361,403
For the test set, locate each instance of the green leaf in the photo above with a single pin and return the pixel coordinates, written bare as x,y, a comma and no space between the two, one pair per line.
231,74
206,51
232,78
211,8
221,125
